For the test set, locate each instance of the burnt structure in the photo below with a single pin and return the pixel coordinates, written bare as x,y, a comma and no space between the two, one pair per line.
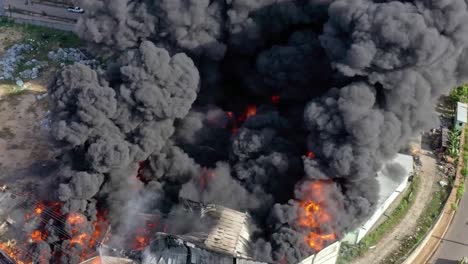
283,109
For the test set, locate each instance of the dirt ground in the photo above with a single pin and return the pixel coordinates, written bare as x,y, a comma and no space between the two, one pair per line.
25,145
7,37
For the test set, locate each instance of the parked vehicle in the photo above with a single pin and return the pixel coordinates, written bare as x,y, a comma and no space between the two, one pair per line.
75,9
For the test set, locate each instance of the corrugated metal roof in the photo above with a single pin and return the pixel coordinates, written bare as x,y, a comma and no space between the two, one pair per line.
388,182
226,239
202,256
175,250
462,112
8,202
324,256
248,261
230,235
4,259
107,260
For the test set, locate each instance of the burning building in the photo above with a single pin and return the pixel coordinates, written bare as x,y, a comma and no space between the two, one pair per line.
283,109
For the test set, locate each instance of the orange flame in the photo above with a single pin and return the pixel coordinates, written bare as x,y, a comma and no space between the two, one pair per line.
251,111
314,215
99,226
47,211
39,208
317,241
141,242
79,239
38,236
75,219
96,260
12,252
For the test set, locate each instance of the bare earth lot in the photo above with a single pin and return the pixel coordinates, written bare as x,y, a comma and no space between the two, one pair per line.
24,143
7,37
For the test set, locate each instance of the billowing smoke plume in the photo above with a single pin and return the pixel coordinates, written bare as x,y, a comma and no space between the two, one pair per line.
255,105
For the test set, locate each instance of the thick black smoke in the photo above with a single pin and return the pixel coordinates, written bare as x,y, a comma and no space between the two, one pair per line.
354,80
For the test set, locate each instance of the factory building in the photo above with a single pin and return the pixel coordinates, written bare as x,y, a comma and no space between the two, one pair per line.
228,238
228,241
390,187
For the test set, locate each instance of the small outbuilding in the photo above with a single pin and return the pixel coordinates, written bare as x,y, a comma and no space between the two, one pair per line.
461,116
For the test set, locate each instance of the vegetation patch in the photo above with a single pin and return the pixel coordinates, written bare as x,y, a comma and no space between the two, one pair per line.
350,252
9,90
425,223
460,190
459,94
42,40
43,37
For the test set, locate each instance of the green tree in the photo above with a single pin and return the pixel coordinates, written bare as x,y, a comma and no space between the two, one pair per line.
454,143
459,94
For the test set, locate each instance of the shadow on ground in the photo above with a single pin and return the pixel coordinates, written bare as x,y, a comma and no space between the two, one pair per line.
446,261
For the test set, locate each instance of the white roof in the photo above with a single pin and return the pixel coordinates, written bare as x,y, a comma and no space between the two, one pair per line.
231,234
388,181
107,260
462,112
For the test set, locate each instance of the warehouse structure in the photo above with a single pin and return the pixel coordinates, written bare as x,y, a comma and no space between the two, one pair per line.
228,240
390,187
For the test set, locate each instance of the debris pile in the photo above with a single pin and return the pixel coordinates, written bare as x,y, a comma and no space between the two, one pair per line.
70,56
12,58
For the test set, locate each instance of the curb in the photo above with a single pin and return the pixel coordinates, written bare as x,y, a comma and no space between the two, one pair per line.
425,251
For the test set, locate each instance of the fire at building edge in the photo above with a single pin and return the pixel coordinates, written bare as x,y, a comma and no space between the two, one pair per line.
284,109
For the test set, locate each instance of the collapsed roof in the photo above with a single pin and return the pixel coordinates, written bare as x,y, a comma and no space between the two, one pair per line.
227,240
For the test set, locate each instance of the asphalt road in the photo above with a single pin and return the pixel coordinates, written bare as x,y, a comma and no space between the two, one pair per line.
39,8
454,245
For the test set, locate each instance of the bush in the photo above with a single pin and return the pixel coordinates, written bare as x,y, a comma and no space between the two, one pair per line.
349,252
425,221
453,149
461,190
464,171
454,206
459,94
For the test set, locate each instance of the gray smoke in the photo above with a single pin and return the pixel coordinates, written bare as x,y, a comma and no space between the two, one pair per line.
356,79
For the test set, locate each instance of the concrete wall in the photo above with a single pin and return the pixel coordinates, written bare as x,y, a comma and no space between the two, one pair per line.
380,211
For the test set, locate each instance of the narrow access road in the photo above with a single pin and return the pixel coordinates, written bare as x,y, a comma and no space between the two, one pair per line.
454,245
39,8
391,241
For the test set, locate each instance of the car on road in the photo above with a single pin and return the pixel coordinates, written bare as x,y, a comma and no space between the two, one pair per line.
75,9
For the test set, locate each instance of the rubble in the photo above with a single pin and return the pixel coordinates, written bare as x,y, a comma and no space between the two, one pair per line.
11,59
71,55
14,60
20,83
41,96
